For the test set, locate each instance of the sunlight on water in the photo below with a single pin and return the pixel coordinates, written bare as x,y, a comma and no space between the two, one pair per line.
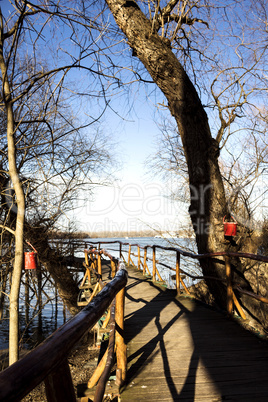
37,323
163,256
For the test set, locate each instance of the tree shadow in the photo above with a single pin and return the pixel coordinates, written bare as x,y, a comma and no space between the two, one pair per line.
235,361
138,320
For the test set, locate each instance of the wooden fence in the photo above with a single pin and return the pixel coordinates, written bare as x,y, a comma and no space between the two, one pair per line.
48,362
231,299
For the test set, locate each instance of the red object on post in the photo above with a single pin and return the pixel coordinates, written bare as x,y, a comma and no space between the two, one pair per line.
230,227
30,260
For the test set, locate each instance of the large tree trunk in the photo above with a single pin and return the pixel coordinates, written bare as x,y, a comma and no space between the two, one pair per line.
56,266
208,203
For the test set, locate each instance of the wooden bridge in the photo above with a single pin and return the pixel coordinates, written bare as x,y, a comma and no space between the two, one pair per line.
181,350
170,346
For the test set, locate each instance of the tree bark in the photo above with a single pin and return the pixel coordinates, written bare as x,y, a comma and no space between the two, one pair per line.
56,266
20,212
208,203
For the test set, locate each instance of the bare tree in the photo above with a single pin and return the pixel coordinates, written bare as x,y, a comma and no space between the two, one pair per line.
173,41
47,153
168,39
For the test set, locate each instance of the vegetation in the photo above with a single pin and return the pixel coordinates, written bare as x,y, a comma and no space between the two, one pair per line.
168,40
263,238
48,154
61,67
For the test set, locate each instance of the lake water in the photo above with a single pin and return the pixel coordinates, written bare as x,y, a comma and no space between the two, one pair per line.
166,257
36,324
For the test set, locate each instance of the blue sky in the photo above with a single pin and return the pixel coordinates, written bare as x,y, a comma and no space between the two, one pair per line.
137,199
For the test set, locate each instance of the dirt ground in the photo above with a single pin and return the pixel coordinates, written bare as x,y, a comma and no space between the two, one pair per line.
82,363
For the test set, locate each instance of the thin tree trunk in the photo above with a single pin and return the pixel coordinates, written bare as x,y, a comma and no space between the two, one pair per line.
4,276
20,211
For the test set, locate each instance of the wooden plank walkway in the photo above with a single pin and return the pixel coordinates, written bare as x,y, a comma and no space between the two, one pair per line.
180,350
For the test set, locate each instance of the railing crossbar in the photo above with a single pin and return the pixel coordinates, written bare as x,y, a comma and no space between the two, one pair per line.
184,253
24,375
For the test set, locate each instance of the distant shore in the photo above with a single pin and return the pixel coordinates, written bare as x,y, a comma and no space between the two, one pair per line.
126,234
96,235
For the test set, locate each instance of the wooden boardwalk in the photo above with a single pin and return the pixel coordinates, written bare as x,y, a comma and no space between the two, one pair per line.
180,350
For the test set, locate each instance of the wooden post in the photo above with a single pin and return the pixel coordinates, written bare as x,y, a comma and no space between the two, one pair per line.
184,286
124,259
120,250
27,297
139,258
129,252
107,319
95,291
87,265
228,271
239,308
39,297
178,276
113,268
59,384
131,262
144,260
98,371
99,264
154,265
86,257
121,349
100,389
159,276
72,249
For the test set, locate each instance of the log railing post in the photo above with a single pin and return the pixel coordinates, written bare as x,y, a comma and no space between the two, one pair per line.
228,271
144,260
120,250
49,360
87,267
99,393
121,349
94,262
129,252
59,384
99,264
86,257
154,264
178,276
239,308
98,371
113,268
139,258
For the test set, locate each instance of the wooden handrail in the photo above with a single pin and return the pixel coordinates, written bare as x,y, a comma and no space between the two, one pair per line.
50,357
184,253
231,298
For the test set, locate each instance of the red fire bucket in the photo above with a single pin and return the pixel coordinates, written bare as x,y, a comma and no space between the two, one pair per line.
30,260
230,228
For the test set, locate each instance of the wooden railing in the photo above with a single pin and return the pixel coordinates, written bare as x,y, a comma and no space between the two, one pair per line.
48,362
115,316
142,261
